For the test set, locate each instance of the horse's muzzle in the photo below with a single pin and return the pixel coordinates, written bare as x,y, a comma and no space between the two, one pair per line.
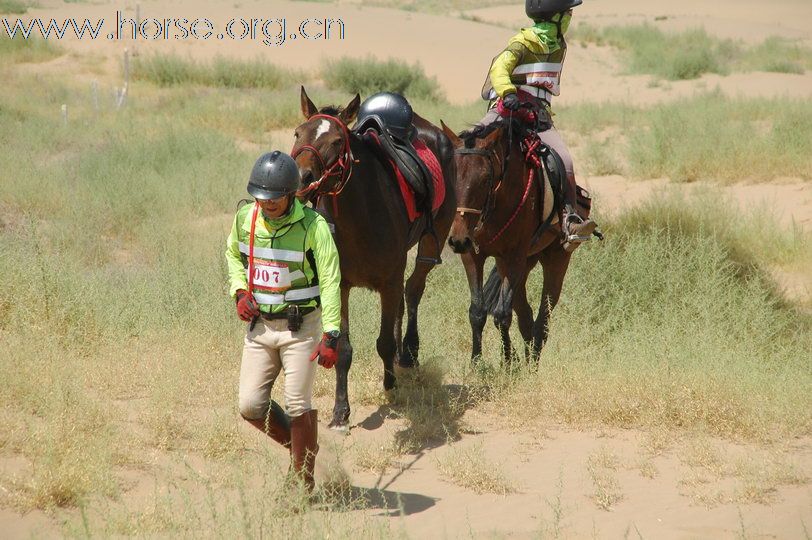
459,246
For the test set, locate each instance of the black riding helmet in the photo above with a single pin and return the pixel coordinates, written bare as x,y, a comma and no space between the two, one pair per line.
390,110
544,10
274,175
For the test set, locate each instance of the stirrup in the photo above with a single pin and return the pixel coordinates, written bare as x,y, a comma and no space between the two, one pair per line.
434,261
572,241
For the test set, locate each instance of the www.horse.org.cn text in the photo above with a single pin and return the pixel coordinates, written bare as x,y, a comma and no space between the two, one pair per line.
271,32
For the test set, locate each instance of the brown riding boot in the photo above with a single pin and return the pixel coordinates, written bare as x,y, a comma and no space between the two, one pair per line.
304,447
577,230
275,425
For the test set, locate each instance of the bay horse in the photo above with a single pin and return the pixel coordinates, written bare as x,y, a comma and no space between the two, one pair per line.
506,212
358,194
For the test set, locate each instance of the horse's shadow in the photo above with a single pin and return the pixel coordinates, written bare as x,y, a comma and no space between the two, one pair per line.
391,503
432,411
432,414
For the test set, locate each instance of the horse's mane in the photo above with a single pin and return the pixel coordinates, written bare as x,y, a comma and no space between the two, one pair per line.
332,110
470,136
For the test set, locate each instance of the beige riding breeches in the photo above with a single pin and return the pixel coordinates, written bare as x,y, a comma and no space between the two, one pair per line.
270,348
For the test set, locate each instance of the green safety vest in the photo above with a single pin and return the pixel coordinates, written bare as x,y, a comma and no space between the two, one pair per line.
527,66
284,268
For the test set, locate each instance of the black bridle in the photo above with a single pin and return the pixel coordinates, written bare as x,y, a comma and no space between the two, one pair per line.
493,183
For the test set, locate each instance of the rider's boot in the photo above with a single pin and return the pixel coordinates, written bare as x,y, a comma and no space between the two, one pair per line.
576,230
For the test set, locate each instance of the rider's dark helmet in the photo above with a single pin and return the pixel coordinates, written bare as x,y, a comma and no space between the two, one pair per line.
543,10
274,175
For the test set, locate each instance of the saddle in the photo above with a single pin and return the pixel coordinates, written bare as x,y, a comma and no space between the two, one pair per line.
403,154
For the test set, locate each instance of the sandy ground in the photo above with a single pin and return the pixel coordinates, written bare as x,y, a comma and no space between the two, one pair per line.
458,52
554,489
789,199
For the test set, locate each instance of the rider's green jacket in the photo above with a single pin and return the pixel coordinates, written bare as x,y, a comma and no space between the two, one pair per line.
526,64
295,262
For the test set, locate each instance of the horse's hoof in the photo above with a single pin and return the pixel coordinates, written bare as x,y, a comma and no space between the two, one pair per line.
343,429
389,382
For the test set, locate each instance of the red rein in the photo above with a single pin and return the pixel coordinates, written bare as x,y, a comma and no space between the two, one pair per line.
251,249
342,166
532,159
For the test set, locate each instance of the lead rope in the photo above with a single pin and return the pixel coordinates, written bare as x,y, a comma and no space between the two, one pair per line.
251,260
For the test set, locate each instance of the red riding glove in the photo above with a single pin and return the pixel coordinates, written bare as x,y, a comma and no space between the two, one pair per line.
247,307
327,350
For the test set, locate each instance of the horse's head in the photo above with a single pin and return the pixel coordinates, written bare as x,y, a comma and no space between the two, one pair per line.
322,147
480,158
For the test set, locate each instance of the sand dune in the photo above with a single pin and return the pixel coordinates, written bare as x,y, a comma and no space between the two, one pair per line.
458,52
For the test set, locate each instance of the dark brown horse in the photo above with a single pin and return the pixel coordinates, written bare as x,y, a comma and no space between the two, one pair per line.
505,212
358,194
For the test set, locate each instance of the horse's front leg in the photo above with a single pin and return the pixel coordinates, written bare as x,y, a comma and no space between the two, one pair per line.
391,301
341,410
554,261
514,272
524,313
415,286
477,311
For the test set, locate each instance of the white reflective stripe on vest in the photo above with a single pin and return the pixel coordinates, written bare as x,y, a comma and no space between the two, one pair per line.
540,69
543,77
274,254
290,296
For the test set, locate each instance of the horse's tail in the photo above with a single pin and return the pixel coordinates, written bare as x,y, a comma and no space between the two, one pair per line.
490,292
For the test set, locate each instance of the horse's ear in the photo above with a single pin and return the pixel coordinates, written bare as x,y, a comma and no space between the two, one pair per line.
348,114
455,140
308,107
493,137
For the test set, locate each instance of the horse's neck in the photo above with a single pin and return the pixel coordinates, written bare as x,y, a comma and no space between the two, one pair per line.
513,183
353,208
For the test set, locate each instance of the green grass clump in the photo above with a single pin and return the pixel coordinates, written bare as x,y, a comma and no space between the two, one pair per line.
777,55
13,7
369,75
686,55
173,70
730,139
18,50
690,54
709,136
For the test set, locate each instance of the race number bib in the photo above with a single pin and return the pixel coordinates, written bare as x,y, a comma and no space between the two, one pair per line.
271,276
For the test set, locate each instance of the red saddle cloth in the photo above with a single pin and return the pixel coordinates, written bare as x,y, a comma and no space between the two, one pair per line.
428,157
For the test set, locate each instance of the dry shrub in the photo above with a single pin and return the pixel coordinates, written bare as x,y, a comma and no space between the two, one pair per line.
470,469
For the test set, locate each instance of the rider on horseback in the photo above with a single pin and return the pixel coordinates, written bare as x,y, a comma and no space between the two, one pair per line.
527,74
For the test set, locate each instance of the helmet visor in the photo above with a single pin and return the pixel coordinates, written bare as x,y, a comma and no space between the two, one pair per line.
264,194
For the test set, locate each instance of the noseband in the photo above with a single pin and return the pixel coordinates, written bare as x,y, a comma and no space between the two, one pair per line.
342,166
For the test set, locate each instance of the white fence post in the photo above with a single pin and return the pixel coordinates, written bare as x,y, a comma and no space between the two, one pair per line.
122,96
